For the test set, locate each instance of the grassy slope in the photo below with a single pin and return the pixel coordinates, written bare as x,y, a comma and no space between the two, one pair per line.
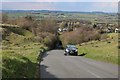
20,54
102,50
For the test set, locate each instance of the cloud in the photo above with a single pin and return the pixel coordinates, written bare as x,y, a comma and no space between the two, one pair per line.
64,6
28,6
106,6
110,4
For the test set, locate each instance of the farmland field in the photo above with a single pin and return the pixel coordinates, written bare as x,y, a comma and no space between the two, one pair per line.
59,15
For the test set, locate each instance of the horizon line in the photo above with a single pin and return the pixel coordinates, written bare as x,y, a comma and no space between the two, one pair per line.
56,10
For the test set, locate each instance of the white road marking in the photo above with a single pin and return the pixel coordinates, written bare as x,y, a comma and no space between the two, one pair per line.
93,74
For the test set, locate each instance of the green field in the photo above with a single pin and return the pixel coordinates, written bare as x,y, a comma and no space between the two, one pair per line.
20,54
105,50
69,15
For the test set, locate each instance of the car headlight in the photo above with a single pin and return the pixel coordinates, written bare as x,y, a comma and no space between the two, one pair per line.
76,50
67,50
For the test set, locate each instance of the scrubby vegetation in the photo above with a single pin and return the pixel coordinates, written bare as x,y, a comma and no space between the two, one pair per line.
26,35
20,54
23,44
79,36
21,61
42,30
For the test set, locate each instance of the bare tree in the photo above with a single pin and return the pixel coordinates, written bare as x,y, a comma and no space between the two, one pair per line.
4,18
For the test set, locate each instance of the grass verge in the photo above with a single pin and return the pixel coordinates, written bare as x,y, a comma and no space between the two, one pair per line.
106,50
21,61
20,54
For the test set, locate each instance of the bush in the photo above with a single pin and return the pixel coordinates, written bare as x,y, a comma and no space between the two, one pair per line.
119,47
48,39
79,36
47,25
104,36
4,18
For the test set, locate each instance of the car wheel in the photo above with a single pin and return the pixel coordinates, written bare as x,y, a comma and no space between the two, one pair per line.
67,54
76,54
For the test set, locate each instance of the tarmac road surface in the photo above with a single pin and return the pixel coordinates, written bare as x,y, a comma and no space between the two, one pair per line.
55,64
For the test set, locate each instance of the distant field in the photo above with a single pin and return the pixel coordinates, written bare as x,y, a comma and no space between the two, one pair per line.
68,15
106,50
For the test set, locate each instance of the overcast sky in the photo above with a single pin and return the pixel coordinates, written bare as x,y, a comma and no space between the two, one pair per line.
63,6
59,0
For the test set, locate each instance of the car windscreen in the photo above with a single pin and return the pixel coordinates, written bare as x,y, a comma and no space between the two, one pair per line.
71,46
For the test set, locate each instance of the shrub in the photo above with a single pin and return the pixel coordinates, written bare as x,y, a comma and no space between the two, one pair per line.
119,47
104,36
79,36
48,39
4,18
47,25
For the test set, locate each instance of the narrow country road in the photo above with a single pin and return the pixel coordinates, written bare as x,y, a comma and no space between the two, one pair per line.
56,65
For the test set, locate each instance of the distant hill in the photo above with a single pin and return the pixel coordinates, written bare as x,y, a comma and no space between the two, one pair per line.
14,11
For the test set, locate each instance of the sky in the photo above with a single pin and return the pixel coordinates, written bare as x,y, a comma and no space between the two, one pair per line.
62,6
59,0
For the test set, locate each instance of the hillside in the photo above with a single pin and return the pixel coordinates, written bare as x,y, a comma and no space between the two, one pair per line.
22,45
20,53
105,50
